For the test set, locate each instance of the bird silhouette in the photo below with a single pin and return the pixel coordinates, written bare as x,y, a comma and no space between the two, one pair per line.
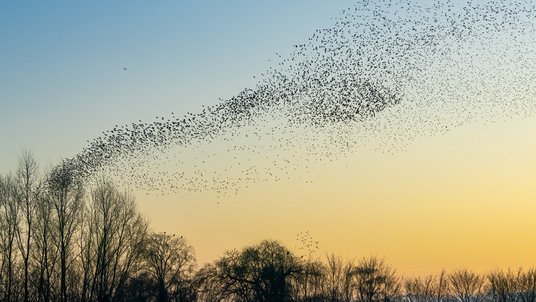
384,74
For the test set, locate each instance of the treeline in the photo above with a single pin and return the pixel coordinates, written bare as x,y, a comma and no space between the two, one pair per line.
63,240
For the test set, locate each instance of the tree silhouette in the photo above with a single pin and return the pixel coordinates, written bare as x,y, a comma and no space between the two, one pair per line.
467,286
421,289
527,285
375,280
66,194
63,239
44,253
170,261
28,190
504,286
9,221
338,277
258,273
114,244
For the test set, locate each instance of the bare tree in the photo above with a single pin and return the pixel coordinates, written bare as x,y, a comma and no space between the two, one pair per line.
170,261
9,224
507,286
527,285
87,248
334,278
375,280
442,290
316,279
209,286
113,243
467,286
504,286
311,271
66,195
44,252
27,192
348,281
421,289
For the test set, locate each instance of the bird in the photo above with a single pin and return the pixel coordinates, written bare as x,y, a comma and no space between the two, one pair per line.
379,75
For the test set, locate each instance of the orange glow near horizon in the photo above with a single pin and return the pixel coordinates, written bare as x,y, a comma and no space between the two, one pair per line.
462,199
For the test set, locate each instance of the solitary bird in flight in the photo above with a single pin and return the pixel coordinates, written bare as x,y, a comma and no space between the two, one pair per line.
124,68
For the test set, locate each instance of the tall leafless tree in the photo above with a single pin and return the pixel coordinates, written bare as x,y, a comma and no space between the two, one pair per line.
348,281
28,189
66,195
442,290
375,280
114,242
87,248
334,278
316,279
527,285
9,224
467,286
45,253
421,289
170,261
504,286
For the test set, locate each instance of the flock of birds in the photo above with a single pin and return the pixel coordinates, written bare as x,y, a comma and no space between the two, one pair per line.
386,73
306,243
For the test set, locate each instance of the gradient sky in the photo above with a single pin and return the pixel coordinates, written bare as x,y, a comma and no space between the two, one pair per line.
61,63
465,198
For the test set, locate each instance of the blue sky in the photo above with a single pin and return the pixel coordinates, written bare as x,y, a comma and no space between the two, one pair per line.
61,76
62,83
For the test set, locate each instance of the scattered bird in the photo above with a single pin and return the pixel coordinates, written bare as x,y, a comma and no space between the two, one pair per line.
384,74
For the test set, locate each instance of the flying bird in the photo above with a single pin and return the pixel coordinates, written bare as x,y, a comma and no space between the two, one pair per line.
379,74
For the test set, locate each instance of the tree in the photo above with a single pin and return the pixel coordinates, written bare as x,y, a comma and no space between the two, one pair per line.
66,194
467,286
421,289
504,285
258,273
339,277
9,224
312,272
87,247
334,278
208,284
442,290
45,253
509,286
527,285
310,283
170,261
27,193
138,288
113,243
375,280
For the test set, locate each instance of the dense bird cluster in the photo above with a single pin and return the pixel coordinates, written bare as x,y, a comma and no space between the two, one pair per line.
387,72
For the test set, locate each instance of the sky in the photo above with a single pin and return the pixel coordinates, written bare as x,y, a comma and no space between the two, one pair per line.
464,198
62,78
